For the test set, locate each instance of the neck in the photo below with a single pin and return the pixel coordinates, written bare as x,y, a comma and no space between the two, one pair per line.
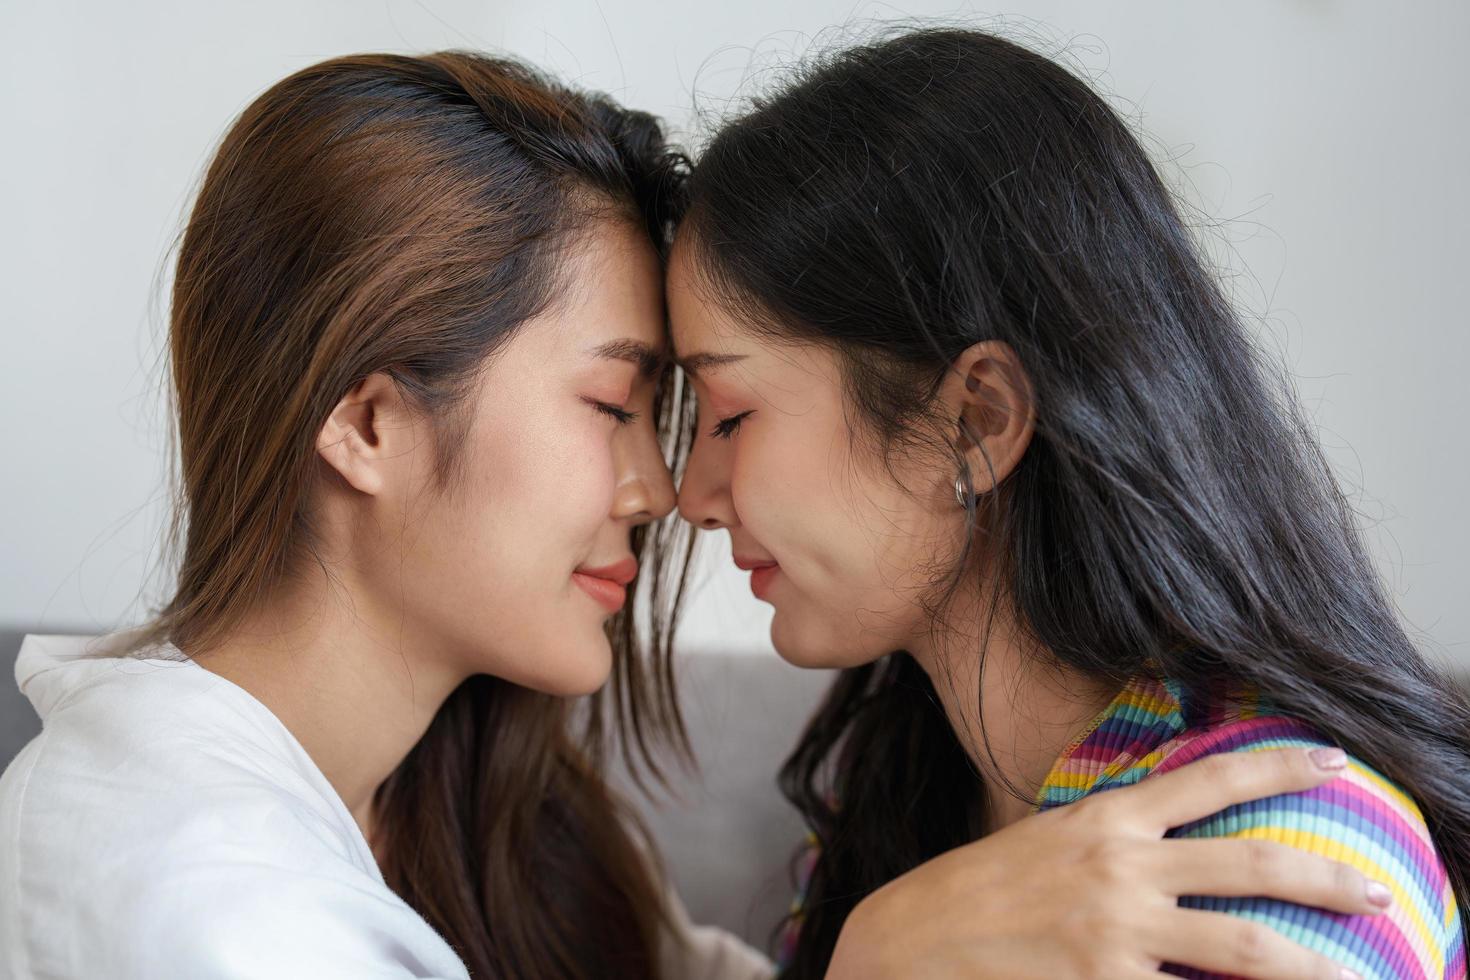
338,672
1032,707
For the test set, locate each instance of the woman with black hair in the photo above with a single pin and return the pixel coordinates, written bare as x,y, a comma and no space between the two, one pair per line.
989,437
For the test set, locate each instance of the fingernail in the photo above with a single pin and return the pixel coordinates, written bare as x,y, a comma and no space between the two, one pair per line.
1379,894
1330,759
1346,974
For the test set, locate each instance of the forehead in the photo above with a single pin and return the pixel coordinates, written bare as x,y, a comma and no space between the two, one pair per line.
711,342
697,322
612,287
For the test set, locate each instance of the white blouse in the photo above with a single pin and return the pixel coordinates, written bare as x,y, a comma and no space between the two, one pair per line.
165,824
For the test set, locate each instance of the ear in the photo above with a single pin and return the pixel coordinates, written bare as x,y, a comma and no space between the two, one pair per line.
990,398
363,432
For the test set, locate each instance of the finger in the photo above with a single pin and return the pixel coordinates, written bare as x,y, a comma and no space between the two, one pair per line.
1211,784
1220,943
1243,868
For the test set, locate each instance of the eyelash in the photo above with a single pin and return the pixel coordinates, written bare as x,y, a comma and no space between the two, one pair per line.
623,416
726,428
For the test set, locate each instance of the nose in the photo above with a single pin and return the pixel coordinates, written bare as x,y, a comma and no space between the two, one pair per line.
645,487
704,493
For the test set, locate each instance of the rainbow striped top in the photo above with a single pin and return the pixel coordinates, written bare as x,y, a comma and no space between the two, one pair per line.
1360,818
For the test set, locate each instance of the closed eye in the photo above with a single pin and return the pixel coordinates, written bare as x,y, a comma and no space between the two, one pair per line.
622,415
726,428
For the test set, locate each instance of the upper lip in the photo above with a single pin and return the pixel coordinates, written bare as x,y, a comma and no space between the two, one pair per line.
621,572
751,564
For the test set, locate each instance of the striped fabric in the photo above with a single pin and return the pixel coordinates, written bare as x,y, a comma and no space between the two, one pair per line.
791,928
1361,818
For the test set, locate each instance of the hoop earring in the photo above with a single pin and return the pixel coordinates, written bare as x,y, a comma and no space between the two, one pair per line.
961,497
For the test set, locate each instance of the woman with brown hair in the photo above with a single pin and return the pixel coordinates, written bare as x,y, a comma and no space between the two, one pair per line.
418,353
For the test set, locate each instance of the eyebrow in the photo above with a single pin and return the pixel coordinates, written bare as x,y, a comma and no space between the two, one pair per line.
702,361
649,360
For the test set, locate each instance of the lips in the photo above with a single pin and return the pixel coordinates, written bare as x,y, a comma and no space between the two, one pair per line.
608,585
622,572
762,572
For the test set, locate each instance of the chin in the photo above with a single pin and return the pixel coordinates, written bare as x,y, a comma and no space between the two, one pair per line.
575,673
815,649
590,685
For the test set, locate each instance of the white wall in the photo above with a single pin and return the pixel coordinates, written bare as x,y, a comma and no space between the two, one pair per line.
1330,138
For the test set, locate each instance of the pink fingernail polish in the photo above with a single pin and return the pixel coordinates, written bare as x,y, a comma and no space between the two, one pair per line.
1330,759
1379,894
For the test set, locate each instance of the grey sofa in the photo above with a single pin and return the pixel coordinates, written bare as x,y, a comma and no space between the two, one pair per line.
725,832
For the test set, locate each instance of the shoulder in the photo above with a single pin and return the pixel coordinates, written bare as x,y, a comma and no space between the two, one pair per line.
167,847
236,880
1361,818
238,917
1361,802
132,779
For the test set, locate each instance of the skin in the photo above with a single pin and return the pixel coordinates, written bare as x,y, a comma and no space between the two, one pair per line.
857,543
480,578
982,910
561,461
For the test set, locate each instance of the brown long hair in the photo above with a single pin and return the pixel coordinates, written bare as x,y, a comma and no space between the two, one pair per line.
408,214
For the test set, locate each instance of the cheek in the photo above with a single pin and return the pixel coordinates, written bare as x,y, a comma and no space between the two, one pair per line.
786,494
546,486
849,544
773,491
491,571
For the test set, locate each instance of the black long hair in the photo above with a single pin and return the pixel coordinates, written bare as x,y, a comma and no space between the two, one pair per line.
904,199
